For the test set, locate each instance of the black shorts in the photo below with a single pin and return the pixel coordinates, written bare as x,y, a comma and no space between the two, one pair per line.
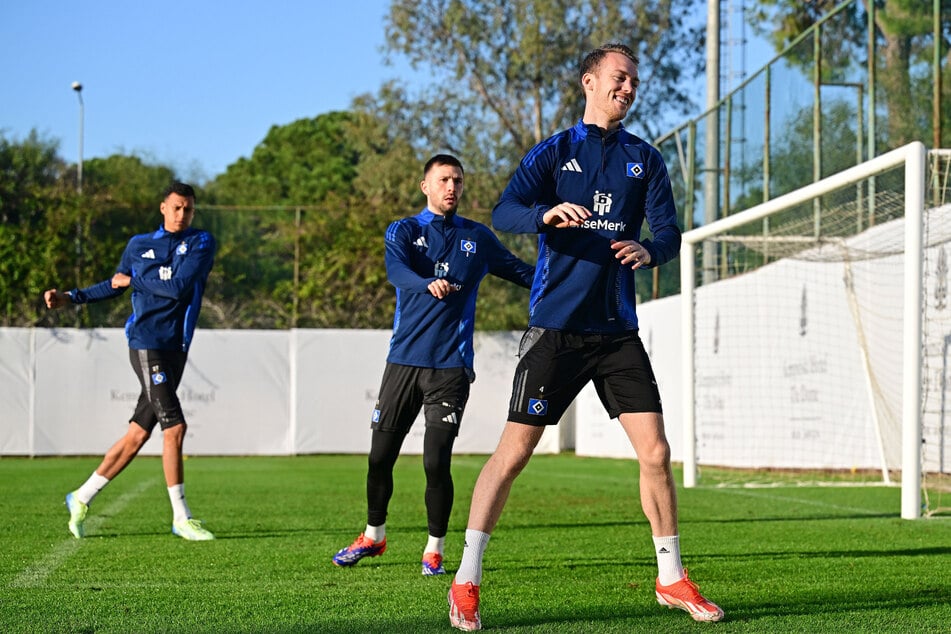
159,373
405,389
554,366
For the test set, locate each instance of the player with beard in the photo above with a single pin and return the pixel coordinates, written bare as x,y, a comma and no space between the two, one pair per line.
436,260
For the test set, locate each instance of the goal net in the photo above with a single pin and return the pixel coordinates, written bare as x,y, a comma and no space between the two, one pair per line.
817,328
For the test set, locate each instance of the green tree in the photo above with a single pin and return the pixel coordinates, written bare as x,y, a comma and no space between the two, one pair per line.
303,220
53,236
126,181
344,277
36,204
29,172
296,164
511,66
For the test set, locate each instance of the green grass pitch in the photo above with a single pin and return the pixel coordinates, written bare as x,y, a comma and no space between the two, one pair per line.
572,553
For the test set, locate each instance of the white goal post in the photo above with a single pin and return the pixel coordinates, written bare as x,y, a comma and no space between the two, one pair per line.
811,372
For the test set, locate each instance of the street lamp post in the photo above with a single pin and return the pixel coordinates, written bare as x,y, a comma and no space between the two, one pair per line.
78,87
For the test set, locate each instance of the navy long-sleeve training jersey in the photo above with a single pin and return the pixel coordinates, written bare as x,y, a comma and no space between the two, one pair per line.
579,285
169,272
437,333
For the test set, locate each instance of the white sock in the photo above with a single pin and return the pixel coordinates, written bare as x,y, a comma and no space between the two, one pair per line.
376,533
470,568
435,545
91,488
180,509
669,568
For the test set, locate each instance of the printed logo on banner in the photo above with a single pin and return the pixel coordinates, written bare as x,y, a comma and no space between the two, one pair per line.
941,285
803,318
716,334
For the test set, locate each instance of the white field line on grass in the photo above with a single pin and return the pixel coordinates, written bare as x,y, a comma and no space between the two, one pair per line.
35,576
762,493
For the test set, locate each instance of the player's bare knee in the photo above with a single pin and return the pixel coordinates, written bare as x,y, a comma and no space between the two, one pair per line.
136,436
509,463
655,456
175,432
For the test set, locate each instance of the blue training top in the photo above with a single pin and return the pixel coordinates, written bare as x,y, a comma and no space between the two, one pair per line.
579,285
437,333
169,272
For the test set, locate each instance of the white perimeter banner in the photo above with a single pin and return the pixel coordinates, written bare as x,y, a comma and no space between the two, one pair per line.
244,392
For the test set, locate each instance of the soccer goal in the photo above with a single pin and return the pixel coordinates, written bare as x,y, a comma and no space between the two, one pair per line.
817,329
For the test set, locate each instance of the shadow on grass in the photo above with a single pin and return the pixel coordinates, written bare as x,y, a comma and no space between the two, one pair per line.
845,605
798,553
640,521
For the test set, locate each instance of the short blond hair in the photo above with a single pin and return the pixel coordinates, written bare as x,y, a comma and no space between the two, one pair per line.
593,59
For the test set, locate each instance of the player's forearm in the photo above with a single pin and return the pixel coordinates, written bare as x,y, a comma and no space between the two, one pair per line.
96,293
408,281
514,216
514,270
399,272
664,246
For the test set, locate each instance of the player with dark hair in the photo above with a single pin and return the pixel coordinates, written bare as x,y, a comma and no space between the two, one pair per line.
436,260
586,191
167,271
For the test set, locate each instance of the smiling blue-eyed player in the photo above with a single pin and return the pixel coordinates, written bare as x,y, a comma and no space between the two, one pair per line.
586,191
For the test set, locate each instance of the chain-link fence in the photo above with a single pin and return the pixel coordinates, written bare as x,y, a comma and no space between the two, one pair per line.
856,84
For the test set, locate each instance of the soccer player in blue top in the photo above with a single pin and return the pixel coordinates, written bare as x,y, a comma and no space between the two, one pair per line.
586,192
436,260
167,271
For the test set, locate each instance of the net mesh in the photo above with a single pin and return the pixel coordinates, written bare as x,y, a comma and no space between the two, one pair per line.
798,340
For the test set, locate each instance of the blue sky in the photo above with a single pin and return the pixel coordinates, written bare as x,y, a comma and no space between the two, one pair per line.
194,85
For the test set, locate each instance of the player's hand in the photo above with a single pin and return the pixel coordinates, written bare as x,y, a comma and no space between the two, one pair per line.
54,299
121,280
631,252
440,288
566,215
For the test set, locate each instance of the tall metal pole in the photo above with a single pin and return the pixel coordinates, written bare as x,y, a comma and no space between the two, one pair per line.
936,78
711,177
78,87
